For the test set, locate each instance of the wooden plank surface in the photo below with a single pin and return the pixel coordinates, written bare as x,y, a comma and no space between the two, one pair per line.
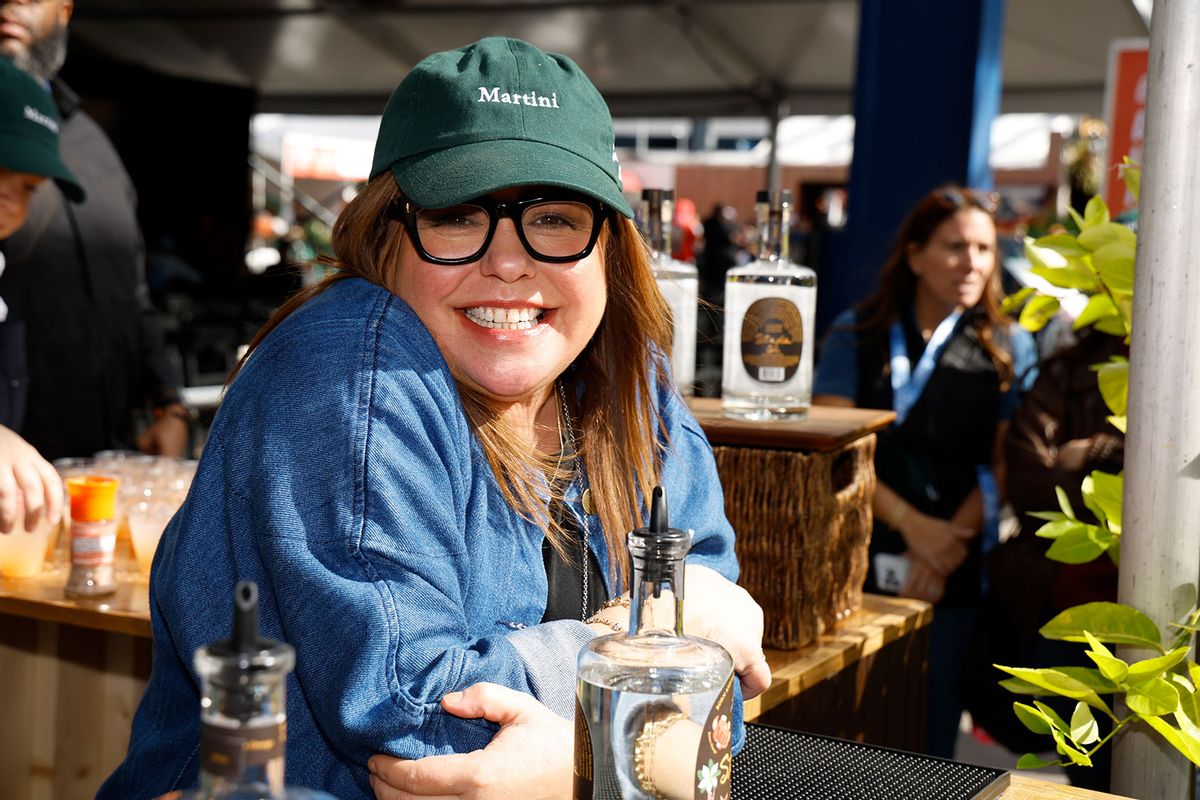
825,429
1023,788
126,611
881,620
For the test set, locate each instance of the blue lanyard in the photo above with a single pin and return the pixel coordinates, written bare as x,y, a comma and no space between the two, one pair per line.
907,383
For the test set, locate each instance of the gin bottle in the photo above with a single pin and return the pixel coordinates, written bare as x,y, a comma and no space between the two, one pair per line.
653,714
769,308
243,712
678,281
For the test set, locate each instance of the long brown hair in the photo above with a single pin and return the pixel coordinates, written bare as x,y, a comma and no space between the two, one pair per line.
609,391
898,284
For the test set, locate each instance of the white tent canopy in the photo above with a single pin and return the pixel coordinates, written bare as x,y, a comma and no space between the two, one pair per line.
691,58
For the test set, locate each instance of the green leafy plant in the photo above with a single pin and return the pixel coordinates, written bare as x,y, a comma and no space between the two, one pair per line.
1161,691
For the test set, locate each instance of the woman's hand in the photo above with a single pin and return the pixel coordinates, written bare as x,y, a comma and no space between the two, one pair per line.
923,582
941,544
30,489
718,609
530,758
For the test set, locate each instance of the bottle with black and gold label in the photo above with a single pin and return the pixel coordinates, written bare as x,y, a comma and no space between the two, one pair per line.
243,717
653,714
769,308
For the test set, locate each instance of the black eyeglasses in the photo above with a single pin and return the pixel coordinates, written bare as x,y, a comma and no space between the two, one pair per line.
961,198
552,229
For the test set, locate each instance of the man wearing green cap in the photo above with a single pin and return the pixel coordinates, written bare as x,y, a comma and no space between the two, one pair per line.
93,351
29,128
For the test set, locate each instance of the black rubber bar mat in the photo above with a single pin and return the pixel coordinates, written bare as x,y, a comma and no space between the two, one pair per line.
778,764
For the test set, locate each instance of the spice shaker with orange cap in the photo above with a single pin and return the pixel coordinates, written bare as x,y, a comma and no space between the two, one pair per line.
93,535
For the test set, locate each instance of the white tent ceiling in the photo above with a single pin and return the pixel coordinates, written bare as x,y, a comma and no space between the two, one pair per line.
648,57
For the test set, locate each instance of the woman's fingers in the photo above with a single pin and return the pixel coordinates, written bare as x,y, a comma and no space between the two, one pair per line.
33,493
8,500
52,483
432,777
492,702
755,678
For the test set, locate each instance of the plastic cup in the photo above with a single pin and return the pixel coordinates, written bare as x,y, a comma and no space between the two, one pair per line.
23,552
146,523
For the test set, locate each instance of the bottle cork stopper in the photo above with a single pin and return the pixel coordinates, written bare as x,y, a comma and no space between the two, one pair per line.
93,497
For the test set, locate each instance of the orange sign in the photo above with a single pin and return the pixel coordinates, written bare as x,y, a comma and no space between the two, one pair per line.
1125,113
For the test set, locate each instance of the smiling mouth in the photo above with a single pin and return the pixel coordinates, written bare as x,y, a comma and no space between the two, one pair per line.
505,319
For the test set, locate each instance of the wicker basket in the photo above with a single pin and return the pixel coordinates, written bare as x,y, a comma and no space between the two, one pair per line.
803,523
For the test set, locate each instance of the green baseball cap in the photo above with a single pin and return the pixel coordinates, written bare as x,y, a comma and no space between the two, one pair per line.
494,114
29,130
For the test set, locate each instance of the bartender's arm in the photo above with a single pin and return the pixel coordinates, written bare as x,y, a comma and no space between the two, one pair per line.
30,488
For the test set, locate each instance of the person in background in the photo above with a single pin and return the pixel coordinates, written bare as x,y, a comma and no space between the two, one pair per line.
29,126
478,404
686,231
930,343
93,355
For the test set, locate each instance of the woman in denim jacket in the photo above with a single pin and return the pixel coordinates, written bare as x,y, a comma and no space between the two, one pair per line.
429,462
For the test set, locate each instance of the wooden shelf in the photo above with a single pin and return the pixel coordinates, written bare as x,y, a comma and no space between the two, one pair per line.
826,428
880,621
41,598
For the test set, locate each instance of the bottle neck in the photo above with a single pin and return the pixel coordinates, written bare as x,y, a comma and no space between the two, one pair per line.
243,720
656,217
656,597
773,221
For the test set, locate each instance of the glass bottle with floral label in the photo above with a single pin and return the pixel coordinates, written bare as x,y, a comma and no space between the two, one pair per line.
653,716
678,281
243,717
769,308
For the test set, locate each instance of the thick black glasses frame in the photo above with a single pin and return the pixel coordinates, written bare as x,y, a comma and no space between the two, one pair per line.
406,212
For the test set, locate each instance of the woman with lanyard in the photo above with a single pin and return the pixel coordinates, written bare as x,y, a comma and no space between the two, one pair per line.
429,462
29,124
930,343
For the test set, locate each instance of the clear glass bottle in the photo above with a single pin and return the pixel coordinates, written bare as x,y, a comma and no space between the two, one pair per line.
769,308
243,712
678,281
93,536
653,716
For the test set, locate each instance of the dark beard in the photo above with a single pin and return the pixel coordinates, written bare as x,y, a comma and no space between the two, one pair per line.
45,57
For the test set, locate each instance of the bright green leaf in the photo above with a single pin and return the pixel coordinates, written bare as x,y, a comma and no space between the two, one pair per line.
1114,262
1110,666
1031,718
1049,516
1031,761
1103,491
1152,698
1043,256
1095,213
1099,235
1189,704
1084,729
1194,671
1111,623
1112,377
1131,173
1056,682
1061,243
1176,738
1076,756
1113,326
1062,527
1068,277
1091,678
1118,422
1014,301
1079,546
1076,216
1064,502
1154,667
1018,686
1052,716
1099,306
1037,312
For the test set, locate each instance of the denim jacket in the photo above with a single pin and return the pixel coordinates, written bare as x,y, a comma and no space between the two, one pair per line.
341,475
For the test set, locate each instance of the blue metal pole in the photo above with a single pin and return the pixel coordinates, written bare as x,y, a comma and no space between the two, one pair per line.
926,93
